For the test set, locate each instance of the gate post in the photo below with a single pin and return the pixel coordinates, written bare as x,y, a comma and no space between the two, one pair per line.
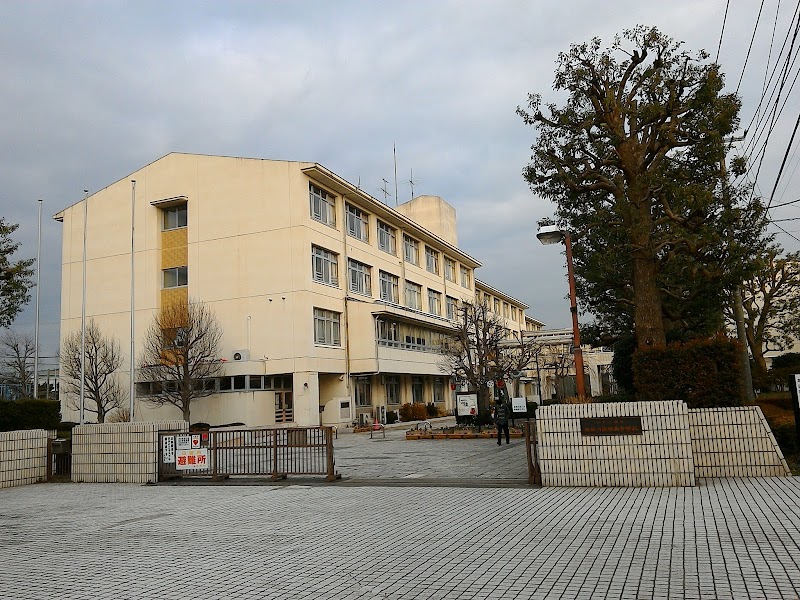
329,454
274,454
214,457
49,459
534,472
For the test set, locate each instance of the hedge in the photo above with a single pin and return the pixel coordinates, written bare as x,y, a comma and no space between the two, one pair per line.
703,372
29,414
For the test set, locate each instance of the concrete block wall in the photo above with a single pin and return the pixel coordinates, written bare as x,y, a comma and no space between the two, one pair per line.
118,452
661,456
23,457
734,442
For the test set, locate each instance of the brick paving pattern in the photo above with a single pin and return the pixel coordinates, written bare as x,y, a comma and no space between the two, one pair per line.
726,538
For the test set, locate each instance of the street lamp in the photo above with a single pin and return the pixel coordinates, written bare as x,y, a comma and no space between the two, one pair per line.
551,234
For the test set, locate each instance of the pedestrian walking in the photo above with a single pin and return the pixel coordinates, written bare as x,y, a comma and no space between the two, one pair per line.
501,420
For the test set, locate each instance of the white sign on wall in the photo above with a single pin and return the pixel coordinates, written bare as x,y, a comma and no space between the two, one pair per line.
168,449
518,405
183,442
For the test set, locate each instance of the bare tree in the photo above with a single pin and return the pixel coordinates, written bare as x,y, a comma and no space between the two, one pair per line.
480,351
180,358
102,359
17,351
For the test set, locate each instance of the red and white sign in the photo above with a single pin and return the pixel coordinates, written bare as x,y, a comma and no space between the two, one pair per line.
195,441
186,460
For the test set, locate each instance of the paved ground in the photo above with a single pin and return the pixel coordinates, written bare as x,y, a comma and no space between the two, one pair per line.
362,459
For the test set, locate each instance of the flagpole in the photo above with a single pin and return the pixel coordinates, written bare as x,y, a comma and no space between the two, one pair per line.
133,372
83,307
36,326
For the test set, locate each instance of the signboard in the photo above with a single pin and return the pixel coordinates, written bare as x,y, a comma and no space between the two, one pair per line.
518,405
183,441
168,449
611,426
467,404
196,441
187,460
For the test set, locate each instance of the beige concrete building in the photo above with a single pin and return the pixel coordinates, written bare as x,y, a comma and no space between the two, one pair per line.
332,303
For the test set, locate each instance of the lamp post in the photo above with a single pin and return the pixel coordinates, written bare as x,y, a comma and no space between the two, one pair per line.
551,234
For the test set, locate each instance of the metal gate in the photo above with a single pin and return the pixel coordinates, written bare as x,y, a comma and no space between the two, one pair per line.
276,452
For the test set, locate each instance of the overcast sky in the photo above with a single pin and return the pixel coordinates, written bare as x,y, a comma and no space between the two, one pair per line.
91,91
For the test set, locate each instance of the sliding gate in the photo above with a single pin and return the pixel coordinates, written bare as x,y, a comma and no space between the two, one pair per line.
276,452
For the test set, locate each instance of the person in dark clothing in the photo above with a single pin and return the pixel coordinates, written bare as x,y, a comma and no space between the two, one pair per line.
501,420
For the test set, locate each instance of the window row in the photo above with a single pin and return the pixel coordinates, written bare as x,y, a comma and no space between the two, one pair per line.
396,334
500,307
323,209
233,383
393,390
324,265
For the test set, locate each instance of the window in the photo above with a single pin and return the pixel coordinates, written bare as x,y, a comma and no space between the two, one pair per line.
394,334
450,269
323,205
505,309
497,306
176,277
326,327
431,260
450,306
434,303
392,388
417,390
464,277
363,392
387,238
388,333
325,266
390,287
357,223
438,390
359,277
411,250
175,216
413,296
514,313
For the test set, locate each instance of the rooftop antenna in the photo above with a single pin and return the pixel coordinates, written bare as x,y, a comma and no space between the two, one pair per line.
358,187
394,151
411,183
385,191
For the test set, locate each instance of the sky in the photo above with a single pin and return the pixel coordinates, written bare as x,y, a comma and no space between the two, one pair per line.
92,91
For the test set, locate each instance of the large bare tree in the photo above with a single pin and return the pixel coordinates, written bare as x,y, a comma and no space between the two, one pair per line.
180,357
18,351
480,351
103,358
771,302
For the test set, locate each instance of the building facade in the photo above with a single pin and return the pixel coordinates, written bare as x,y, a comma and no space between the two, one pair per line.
332,304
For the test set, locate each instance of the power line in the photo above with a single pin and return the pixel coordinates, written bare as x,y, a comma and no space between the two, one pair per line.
721,33
752,39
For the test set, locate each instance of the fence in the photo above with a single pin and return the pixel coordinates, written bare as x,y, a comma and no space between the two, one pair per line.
276,452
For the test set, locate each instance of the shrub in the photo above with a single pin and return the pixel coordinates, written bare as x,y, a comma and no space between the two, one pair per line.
419,412
622,363
29,414
431,410
703,372
391,417
405,412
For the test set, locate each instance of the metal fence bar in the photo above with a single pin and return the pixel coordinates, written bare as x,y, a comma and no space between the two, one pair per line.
534,471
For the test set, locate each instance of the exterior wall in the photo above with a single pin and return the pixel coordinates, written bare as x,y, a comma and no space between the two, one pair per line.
118,452
734,442
660,457
248,246
23,457
434,214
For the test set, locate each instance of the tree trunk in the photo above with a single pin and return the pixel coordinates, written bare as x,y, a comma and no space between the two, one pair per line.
648,319
185,410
